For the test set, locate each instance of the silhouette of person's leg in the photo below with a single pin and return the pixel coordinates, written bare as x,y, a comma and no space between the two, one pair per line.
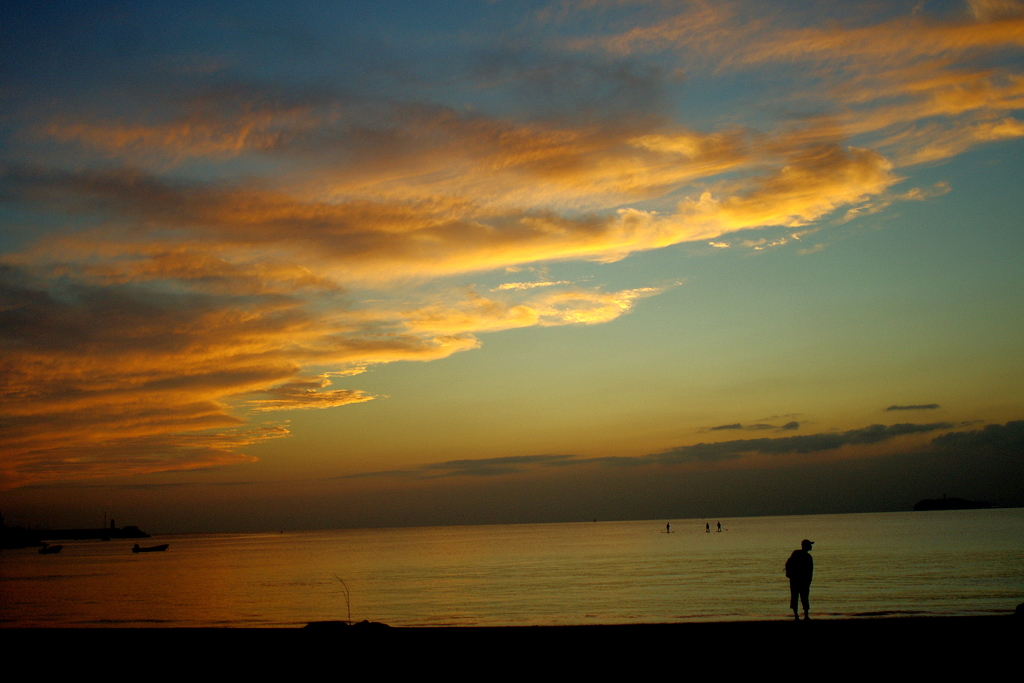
805,593
794,595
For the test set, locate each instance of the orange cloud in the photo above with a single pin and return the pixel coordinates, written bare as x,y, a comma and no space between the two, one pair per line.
530,285
212,124
98,369
181,308
361,241
305,393
892,73
120,456
904,38
569,306
815,183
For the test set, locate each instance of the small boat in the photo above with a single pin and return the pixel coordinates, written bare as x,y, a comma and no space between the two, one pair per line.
48,549
150,549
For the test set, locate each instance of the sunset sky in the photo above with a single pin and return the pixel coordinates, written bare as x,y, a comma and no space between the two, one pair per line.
321,264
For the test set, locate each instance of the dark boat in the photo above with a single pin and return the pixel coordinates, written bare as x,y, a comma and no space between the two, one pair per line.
48,549
150,549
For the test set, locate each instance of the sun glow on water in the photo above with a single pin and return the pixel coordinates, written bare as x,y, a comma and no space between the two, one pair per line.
940,563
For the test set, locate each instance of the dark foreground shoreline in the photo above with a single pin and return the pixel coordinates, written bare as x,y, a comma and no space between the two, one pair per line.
907,648
867,625
930,641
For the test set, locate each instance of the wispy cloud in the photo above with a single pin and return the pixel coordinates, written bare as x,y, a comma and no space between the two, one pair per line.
697,453
809,443
530,285
756,427
924,406
486,467
912,75
299,394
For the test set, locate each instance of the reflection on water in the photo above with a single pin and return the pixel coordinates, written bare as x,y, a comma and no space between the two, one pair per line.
964,562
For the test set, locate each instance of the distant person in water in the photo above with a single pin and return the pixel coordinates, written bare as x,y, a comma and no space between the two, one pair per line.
668,528
800,569
719,526
707,527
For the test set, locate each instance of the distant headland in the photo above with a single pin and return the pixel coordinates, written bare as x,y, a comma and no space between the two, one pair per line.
19,537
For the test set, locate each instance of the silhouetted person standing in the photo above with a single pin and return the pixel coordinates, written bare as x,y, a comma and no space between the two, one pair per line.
800,569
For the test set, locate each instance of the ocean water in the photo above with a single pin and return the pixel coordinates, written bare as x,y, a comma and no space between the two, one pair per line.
928,563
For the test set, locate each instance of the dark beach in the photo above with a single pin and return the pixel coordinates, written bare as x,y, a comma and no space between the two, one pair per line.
921,643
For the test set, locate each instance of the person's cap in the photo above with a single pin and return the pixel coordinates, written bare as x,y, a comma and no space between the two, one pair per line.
805,542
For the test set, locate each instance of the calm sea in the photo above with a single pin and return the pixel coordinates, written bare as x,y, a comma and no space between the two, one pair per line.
928,563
